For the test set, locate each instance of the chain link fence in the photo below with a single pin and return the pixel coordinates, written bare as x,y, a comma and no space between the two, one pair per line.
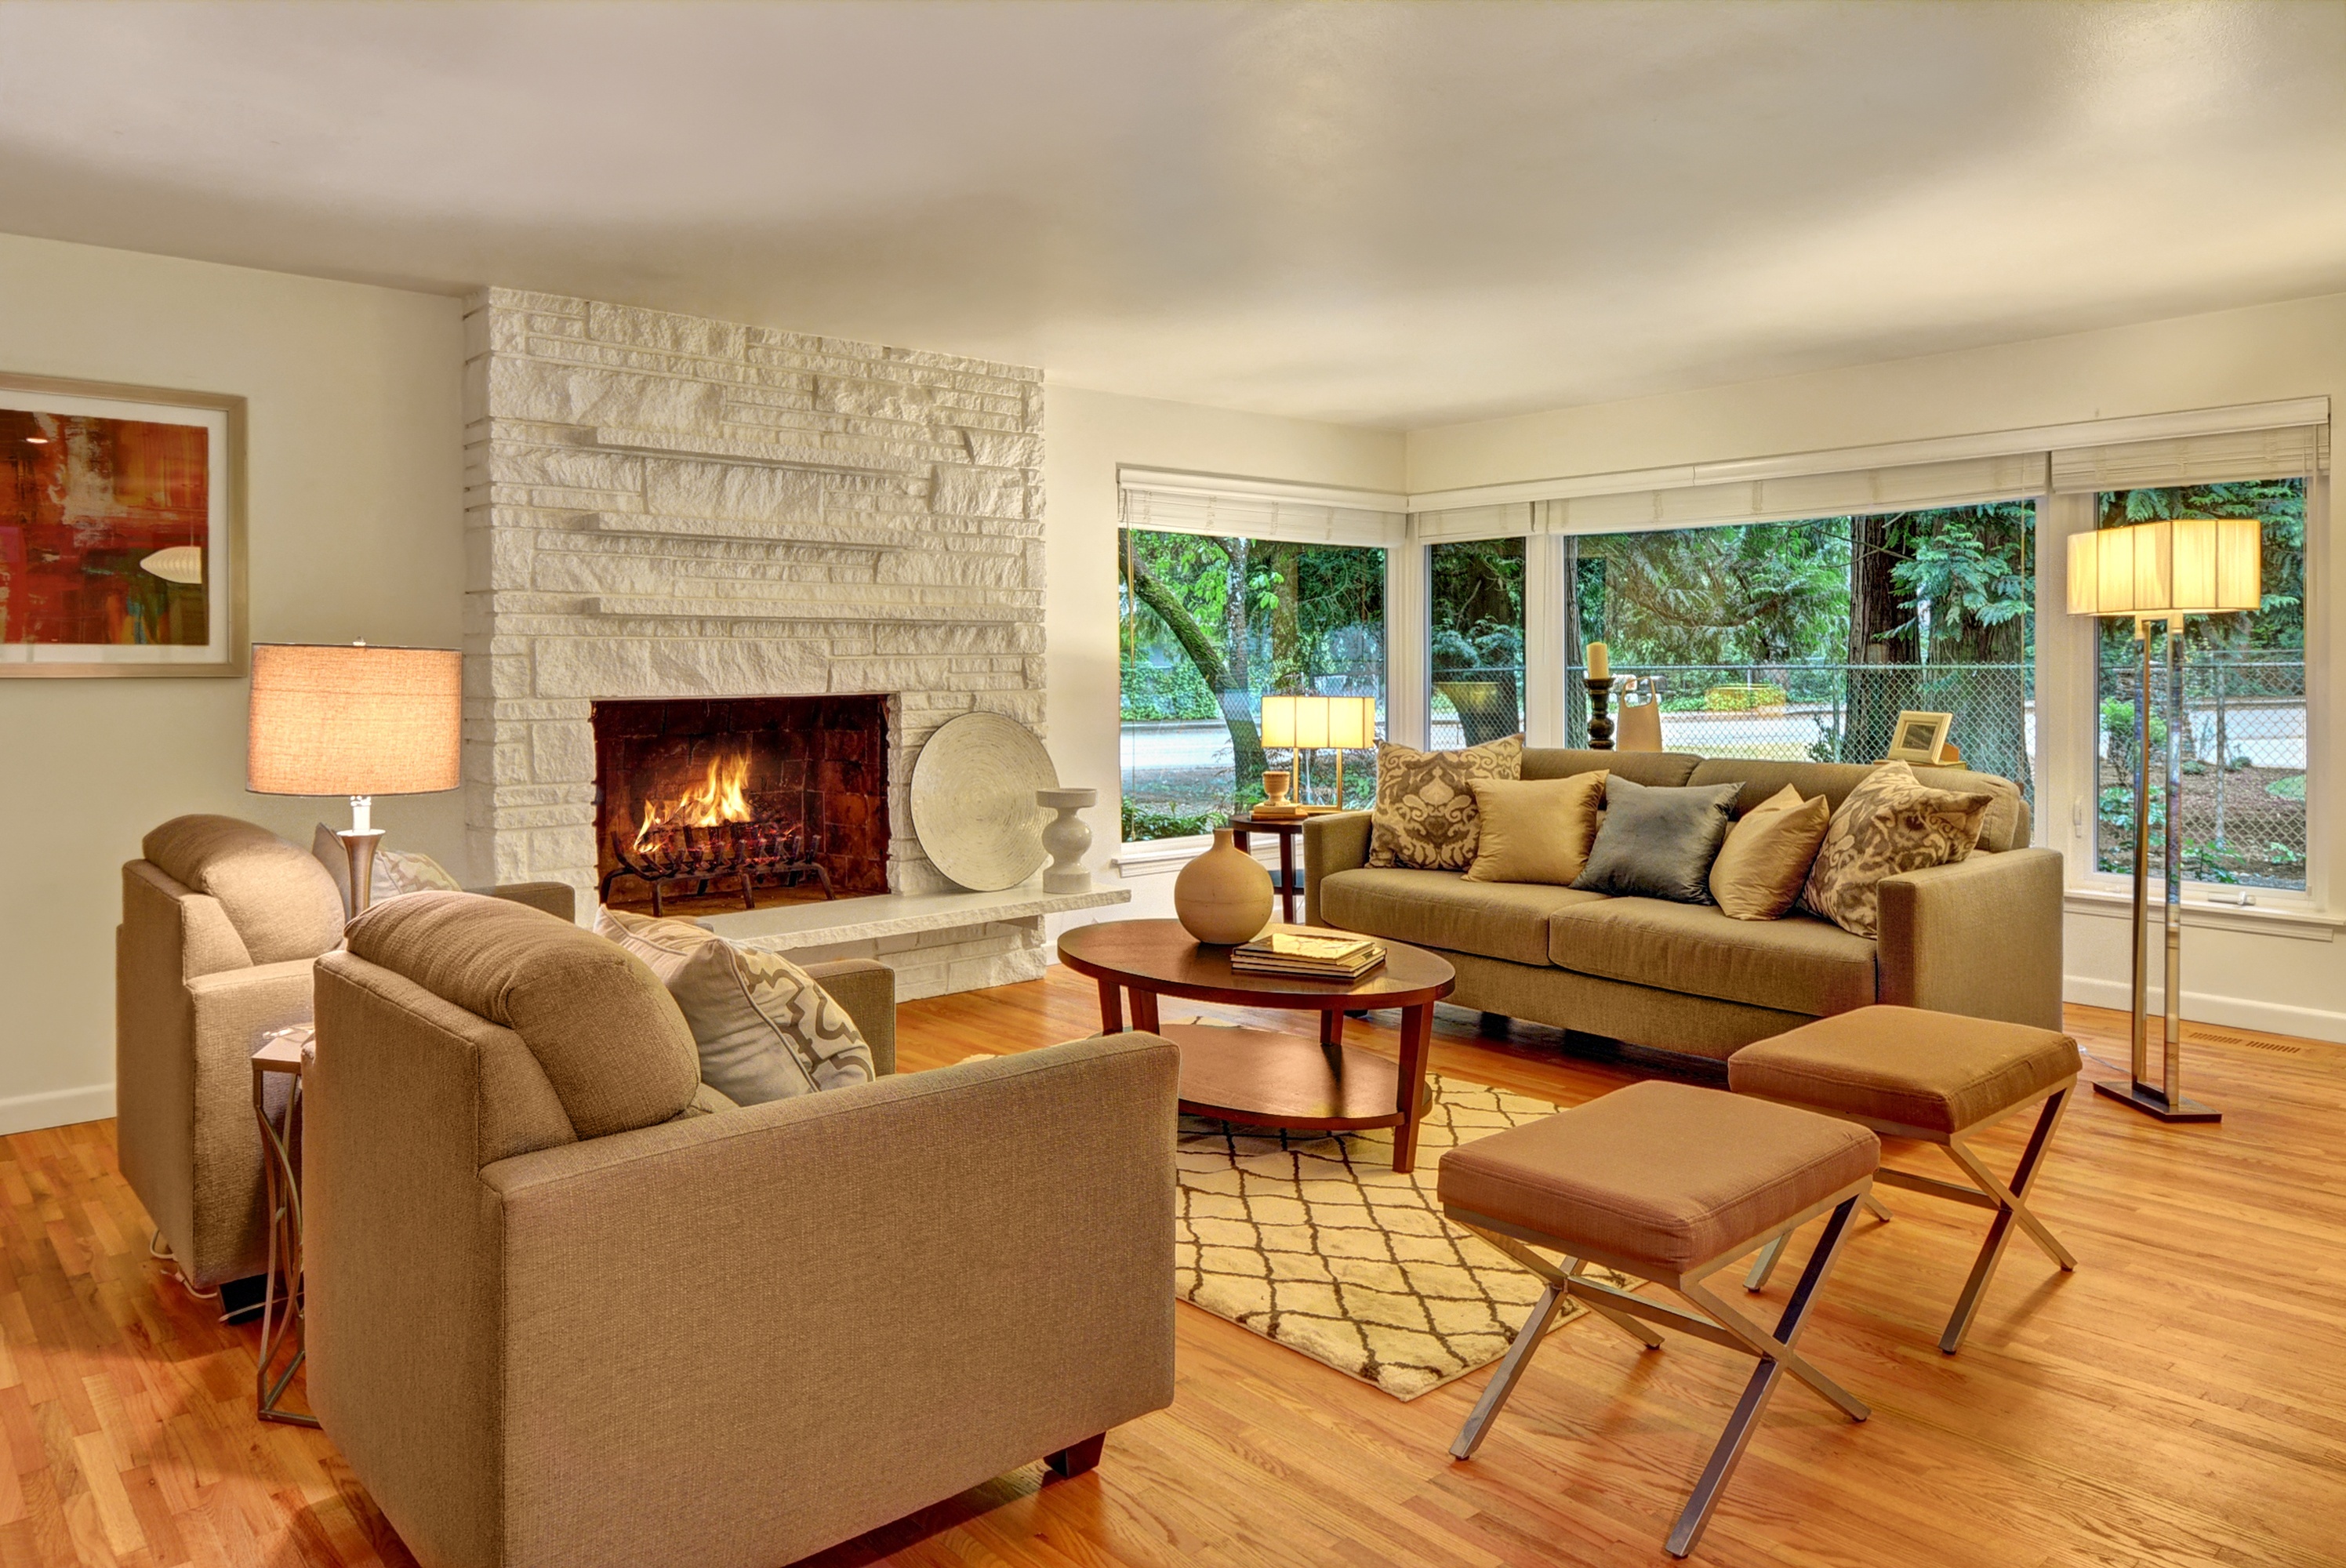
2242,805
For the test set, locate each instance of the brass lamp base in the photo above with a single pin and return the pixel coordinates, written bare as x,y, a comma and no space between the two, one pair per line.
2149,1100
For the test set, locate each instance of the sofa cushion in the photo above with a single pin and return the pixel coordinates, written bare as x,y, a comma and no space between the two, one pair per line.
1765,862
1796,964
766,1030
608,1036
2006,826
280,901
1442,908
1426,816
1535,830
1890,824
1666,769
1657,842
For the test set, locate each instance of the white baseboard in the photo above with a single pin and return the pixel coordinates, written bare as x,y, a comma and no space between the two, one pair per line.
57,1108
2199,1007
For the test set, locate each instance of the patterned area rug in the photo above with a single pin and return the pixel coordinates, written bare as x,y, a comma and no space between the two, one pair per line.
1314,1241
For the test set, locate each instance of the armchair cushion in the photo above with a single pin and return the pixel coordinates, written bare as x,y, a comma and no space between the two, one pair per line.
280,900
603,1028
765,1030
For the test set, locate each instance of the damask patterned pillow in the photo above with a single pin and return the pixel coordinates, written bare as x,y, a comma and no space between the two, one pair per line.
1891,822
1425,816
766,1029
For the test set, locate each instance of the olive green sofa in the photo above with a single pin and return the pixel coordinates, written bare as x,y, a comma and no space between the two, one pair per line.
1981,937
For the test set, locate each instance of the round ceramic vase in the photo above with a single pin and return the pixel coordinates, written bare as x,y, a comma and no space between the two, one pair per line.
1223,897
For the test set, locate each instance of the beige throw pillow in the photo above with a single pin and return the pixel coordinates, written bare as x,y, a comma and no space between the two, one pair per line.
766,1030
1426,816
1535,829
1891,822
1765,862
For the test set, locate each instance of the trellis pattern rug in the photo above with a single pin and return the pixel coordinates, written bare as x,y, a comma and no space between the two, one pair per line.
1314,1241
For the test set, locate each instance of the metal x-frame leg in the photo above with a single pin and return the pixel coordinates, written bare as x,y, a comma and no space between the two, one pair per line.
2009,1199
1720,1323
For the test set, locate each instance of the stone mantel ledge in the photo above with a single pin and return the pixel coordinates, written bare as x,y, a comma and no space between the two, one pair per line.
830,921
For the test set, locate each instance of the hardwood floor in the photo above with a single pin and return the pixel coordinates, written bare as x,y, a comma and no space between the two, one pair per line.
2180,1400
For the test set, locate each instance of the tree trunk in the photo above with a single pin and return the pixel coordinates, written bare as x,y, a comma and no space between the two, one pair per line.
1198,645
1876,609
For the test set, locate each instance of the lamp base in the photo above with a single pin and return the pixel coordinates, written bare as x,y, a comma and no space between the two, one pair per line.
359,843
2152,1102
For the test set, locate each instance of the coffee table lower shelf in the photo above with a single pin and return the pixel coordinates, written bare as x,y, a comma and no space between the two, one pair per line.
1265,1078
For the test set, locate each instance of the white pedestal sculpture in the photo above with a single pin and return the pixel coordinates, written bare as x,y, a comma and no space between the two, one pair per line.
1067,836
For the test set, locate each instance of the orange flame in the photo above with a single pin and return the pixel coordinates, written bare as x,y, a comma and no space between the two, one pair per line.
718,798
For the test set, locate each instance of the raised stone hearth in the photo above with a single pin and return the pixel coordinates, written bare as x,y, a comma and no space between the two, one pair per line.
667,506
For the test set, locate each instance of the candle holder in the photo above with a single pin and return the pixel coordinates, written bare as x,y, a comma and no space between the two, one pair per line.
1600,717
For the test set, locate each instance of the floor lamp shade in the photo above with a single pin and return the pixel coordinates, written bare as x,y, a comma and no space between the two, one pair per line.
2176,566
354,720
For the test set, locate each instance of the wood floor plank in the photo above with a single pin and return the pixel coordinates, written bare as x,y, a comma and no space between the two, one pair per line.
2180,1399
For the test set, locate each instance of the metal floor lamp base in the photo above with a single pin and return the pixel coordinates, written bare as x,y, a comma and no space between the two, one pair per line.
2148,1099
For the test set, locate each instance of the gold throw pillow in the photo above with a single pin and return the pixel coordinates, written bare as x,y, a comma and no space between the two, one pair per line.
1761,867
1425,816
1891,822
1535,830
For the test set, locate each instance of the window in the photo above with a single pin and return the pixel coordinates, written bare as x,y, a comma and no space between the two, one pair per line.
1802,641
1210,624
1477,653
2243,804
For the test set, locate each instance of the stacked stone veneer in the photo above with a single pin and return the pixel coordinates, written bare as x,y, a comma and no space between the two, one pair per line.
667,506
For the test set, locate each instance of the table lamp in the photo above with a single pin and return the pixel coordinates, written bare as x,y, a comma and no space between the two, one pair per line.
2165,571
330,719
1310,723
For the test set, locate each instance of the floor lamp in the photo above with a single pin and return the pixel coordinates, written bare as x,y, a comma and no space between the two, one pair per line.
334,720
2163,571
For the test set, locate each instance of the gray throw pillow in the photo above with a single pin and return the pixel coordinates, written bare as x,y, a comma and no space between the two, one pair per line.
1658,843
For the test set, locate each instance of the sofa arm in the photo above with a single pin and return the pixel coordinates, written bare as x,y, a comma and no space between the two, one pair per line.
559,899
839,1308
1981,937
868,993
228,1238
1337,841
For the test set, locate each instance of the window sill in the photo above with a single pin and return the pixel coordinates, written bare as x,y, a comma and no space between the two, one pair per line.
1161,857
2300,922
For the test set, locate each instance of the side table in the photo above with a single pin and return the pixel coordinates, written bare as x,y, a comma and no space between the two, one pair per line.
1289,830
284,1057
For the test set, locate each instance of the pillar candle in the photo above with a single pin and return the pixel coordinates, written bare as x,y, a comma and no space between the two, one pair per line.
1600,662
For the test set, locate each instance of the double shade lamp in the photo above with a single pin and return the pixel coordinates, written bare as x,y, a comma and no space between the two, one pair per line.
2153,572
354,720
1310,723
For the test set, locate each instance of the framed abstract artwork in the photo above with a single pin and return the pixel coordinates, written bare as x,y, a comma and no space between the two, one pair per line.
121,530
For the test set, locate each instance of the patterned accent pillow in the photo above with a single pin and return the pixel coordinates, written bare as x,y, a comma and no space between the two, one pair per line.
1891,822
766,1029
396,871
1425,816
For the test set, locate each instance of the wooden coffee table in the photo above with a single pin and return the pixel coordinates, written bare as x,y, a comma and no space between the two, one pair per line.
1262,1077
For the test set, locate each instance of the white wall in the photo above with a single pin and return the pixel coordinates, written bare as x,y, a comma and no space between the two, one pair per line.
2290,980
355,453
1085,435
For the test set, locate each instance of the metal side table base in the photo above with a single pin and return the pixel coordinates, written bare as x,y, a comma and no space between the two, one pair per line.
283,1340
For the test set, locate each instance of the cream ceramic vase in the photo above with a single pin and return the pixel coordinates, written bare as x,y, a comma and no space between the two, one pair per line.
1223,897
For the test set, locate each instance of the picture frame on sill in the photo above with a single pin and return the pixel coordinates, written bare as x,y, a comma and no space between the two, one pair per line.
122,530
1920,739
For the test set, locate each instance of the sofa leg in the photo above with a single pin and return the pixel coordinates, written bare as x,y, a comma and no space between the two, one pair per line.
1076,1458
1492,1025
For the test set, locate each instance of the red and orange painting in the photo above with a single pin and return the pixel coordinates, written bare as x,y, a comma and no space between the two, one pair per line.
105,529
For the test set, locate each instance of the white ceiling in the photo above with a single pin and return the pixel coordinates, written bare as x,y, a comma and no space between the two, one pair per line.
1389,214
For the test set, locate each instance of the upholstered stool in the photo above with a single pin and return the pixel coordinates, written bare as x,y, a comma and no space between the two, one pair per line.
1670,1184
1936,1078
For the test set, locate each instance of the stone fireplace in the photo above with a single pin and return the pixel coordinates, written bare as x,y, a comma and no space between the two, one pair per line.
710,804
666,508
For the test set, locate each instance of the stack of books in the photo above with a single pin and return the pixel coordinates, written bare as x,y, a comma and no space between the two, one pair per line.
1301,953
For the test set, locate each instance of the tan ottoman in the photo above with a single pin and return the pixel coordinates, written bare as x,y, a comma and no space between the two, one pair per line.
1670,1184
1937,1078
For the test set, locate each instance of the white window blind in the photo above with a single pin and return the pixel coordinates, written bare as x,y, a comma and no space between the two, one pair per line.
2216,459
1256,513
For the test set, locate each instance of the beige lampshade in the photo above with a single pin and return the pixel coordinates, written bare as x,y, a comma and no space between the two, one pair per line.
2179,566
1311,722
336,720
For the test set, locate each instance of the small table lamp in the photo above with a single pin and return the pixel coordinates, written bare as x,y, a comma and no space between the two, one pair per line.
2164,571
1308,723
361,721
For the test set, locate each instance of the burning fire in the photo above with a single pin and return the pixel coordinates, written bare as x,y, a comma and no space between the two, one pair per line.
718,798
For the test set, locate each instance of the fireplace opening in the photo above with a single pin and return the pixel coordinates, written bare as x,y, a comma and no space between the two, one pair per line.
702,806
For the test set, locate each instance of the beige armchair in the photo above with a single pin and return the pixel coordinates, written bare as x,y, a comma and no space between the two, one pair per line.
568,1306
222,921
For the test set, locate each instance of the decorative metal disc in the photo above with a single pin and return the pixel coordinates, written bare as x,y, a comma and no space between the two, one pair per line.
973,807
